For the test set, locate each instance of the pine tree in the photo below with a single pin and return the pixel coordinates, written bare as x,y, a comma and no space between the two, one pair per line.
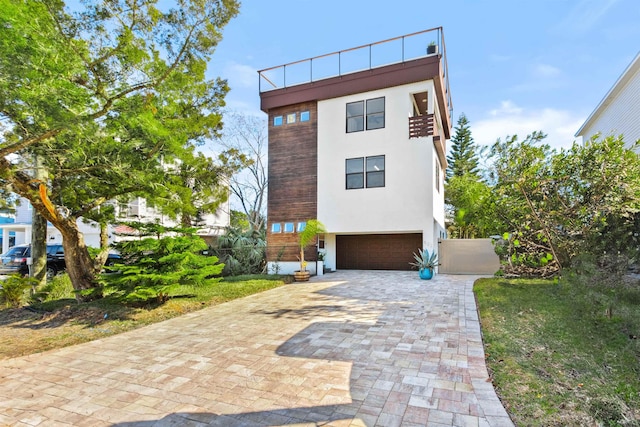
463,158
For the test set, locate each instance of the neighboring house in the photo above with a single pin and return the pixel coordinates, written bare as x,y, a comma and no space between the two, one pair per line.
6,219
619,111
137,210
209,225
21,229
361,147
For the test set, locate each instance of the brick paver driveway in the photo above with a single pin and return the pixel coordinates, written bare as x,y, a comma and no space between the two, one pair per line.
351,348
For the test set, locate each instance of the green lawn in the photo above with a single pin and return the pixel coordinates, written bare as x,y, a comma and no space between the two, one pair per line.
556,357
62,321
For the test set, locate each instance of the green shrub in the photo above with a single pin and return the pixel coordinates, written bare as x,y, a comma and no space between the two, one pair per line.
154,268
59,287
15,290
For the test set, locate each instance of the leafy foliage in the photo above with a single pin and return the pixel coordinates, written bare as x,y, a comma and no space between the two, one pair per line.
557,205
155,267
108,96
473,208
242,252
312,228
15,290
58,288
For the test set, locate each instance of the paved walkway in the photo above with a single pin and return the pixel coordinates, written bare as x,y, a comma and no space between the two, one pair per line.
350,348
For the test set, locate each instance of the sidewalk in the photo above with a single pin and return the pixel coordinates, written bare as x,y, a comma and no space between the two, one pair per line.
353,348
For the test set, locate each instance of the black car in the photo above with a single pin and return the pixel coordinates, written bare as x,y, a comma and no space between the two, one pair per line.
15,260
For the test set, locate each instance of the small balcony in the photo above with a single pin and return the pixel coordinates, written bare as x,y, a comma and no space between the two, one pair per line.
421,126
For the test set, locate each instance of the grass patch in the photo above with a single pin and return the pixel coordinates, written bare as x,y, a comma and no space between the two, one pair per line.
555,358
59,321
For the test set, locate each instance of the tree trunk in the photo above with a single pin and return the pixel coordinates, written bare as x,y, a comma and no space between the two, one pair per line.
80,267
101,258
38,268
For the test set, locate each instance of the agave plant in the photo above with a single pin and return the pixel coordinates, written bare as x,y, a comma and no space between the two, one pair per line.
425,260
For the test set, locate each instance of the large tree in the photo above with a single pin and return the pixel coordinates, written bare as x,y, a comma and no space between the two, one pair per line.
247,135
559,205
463,159
107,96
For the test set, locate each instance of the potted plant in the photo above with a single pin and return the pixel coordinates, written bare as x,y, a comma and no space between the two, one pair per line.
425,262
432,48
305,238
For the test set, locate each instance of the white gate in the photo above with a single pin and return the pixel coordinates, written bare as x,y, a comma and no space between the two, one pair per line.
467,256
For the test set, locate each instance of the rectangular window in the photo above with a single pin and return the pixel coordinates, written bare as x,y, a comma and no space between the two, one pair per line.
355,116
291,118
276,227
305,116
301,226
371,177
288,227
277,121
375,113
375,171
355,173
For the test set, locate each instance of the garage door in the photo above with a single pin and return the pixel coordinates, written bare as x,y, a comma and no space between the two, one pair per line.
376,251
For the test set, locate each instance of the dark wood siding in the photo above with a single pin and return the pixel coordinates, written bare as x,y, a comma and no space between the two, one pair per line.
376,251
293,178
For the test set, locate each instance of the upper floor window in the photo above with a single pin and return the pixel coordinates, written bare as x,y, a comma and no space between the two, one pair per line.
364,172
372,109
291,118
288,227
375,113
277,121
375,171
305,116
355,116
355,173
276,227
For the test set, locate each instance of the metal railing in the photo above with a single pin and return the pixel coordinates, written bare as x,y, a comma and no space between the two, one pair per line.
361,58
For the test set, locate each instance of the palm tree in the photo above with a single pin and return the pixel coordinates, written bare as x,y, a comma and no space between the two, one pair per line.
306,237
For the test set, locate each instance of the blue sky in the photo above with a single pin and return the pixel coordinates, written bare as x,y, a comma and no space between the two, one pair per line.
515,66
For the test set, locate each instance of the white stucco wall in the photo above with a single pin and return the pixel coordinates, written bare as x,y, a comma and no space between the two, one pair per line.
407,202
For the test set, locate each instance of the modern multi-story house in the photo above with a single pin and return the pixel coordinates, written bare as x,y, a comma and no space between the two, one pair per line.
357,140
619,111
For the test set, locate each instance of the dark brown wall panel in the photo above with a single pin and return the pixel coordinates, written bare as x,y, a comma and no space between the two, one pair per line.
293,177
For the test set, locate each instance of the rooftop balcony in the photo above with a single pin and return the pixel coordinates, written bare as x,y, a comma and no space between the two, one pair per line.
371,57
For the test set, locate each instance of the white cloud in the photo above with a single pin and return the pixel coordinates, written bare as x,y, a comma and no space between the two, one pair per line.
510,119
240,75
546,70
585,15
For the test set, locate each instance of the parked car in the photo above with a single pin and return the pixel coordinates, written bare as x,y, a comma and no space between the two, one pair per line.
14,261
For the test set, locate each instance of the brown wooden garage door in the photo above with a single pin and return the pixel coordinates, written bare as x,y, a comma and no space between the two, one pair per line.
376,251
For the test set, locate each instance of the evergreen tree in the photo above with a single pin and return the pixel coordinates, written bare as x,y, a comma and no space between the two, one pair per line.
463,158
111,95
